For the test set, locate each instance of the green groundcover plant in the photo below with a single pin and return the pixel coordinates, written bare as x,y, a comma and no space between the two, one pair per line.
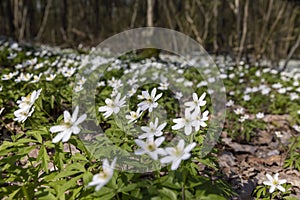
43,157
44,152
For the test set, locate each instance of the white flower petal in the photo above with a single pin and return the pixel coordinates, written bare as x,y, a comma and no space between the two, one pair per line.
189,147
67,116
175,164
66,136
75,114
80,119
272,189
58,137
188,130
270,178
167,159
279,187
58,128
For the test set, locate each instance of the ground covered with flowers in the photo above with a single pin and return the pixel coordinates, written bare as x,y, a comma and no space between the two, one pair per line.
49,151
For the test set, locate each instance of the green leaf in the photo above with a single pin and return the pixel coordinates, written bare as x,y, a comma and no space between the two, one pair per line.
129,187
104,193
69,184
171,194
44,157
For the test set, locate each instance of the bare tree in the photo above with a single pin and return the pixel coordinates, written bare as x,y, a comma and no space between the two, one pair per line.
45,18
150,5
244,32
292,51
265,29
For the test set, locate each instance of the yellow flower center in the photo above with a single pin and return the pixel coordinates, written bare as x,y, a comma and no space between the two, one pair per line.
103,175
68,124
177,152
149,100
151,147
275,182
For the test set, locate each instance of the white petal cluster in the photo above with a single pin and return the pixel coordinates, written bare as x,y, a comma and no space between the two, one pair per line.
112,106
177,154
197,103
274,182
101,179
149,102
193,116
152,130
69,126
134,115
26,107
150,147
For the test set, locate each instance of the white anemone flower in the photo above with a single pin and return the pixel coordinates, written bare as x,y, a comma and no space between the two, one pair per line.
25,77
69,126
163,85
150,100
265,91
101,83
294,96
178,95
244,117
112,106
134,115
187,121
29,99
23,113
101,179
153,129
246,97
26,107
197,102
274,182
68,72
278,134
297,128
230,103
36,78
201,122
115,83
81,81
150,147
177,154
132,91
260,115
277,86
8,76
239,111
78,88
51,77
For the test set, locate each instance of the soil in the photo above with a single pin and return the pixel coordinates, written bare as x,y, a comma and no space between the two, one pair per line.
246,165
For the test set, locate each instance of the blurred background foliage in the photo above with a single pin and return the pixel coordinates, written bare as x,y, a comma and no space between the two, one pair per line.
249,29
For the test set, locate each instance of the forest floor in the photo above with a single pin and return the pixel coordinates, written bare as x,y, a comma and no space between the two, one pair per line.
261,133
246,164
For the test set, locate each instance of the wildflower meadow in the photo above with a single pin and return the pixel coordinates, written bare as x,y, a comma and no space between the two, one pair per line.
143,141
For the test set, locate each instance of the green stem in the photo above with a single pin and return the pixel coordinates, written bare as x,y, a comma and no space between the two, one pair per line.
41,108
271,196
30,161
118,196
183,185
12,133
151,116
